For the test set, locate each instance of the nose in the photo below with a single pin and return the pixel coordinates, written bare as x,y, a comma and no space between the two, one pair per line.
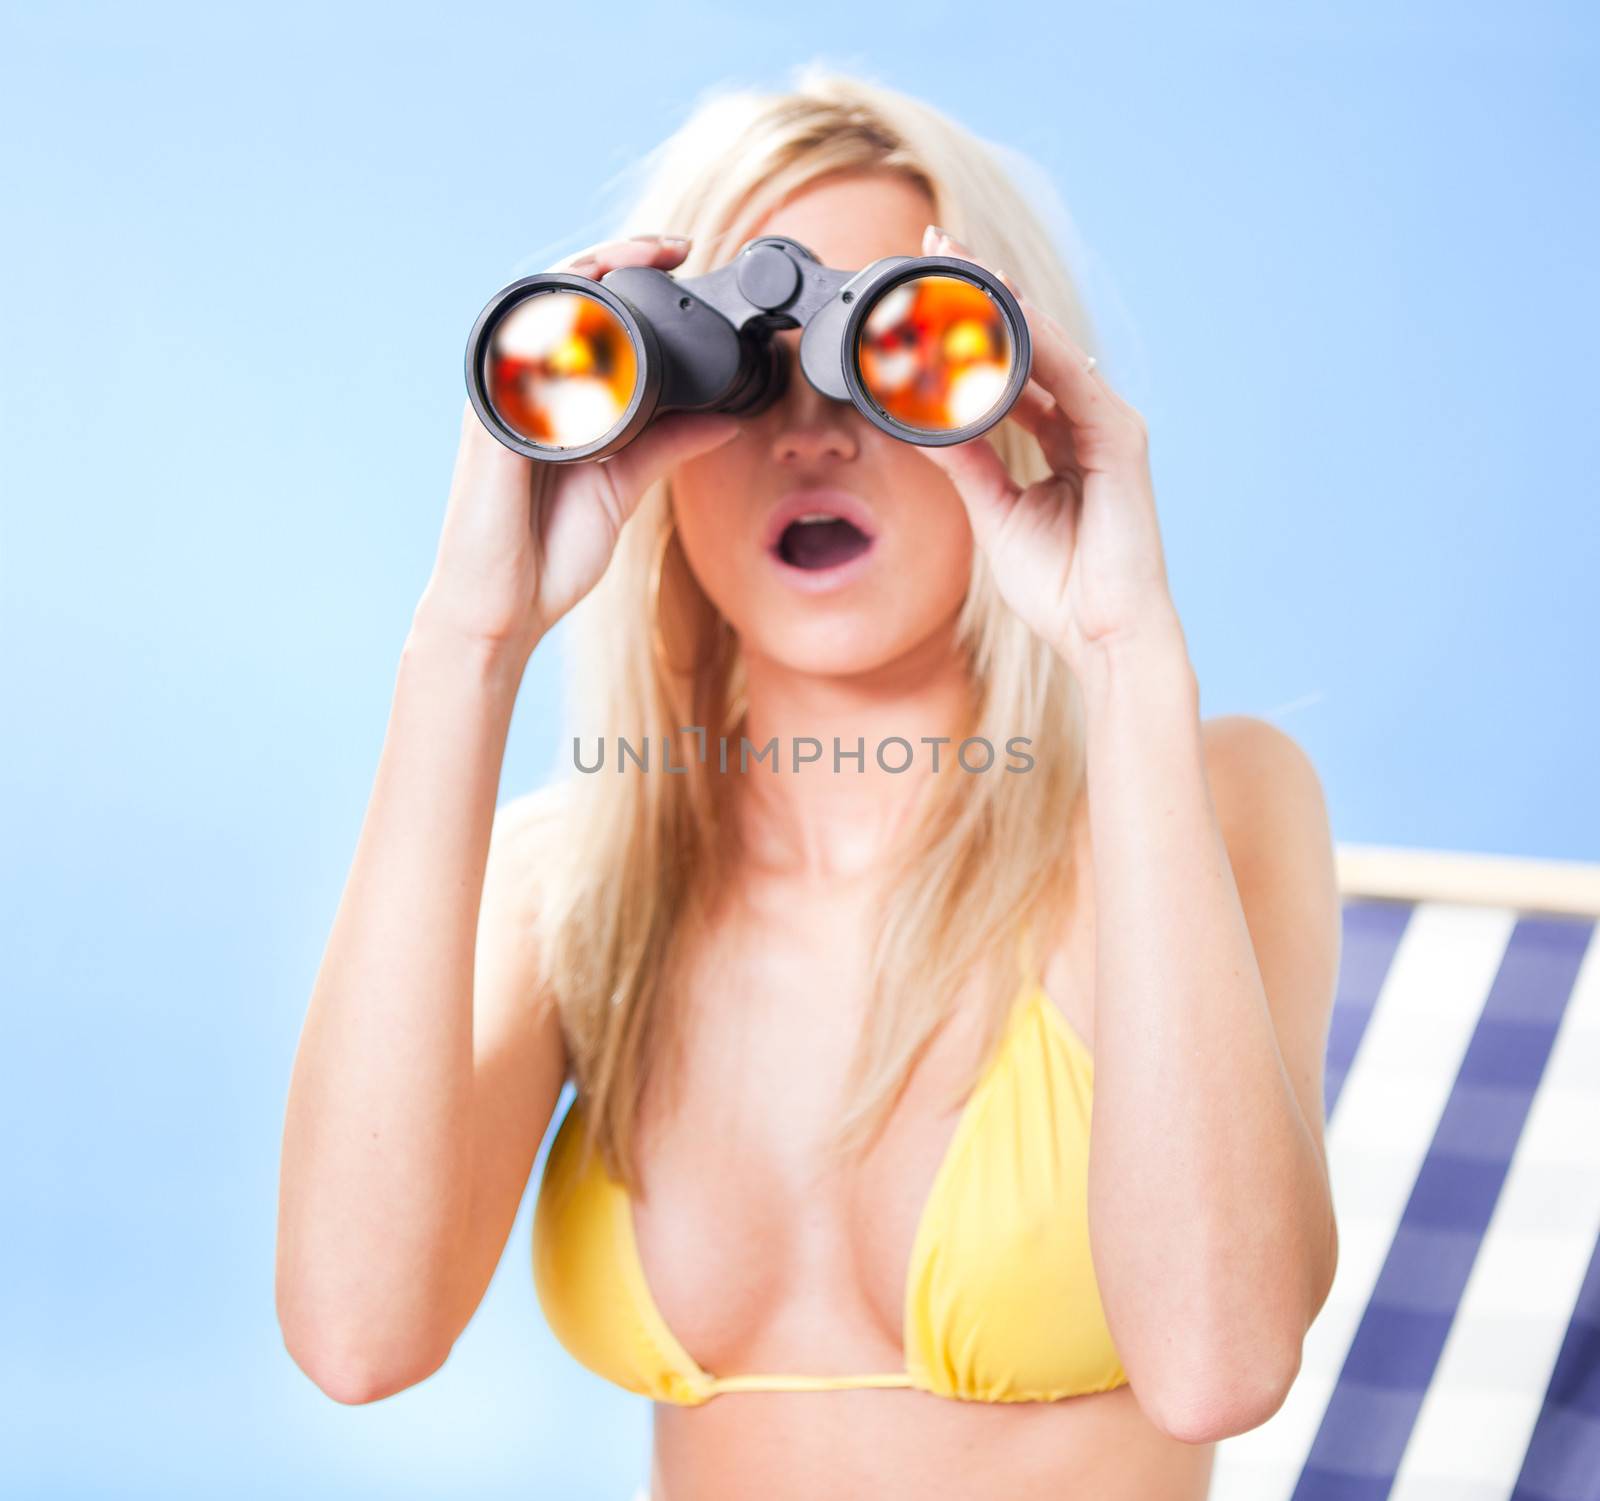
810,428
812,442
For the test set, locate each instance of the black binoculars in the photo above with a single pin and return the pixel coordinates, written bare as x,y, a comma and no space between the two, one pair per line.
929,348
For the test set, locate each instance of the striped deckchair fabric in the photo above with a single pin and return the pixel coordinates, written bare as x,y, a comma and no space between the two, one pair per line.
1458,1355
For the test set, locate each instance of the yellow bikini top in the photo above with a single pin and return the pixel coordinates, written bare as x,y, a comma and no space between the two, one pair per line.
1001,1302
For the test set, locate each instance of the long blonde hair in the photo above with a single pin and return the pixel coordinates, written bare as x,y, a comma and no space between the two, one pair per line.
628,865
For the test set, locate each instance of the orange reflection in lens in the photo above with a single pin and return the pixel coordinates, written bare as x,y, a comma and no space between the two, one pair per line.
935,352
561,369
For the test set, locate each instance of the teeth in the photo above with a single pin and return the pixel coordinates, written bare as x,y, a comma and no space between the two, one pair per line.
814,516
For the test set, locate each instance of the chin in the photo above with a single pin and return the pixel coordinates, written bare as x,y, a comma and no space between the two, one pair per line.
837,648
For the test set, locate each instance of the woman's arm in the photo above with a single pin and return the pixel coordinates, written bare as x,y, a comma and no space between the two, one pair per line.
1217,951
1210,1210
420,1090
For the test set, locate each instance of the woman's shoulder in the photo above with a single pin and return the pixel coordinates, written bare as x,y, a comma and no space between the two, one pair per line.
523,843
522,823
1264,785
516,816
1241,749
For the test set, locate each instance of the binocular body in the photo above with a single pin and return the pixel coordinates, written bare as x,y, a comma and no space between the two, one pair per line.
930,349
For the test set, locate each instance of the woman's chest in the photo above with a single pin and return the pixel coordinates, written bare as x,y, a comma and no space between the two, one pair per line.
763,1249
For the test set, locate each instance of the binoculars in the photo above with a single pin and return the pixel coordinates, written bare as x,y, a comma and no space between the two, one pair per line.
931,349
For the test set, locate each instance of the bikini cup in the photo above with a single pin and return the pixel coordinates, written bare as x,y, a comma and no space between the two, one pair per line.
1001,1301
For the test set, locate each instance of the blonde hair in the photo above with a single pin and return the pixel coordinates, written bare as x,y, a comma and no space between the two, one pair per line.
628,866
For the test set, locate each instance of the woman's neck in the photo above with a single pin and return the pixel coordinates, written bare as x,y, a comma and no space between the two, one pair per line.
832,818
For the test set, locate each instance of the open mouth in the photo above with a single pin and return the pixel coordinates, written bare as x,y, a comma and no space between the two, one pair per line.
819,540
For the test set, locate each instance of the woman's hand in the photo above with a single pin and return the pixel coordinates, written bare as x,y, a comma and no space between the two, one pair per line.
1077,555
514,555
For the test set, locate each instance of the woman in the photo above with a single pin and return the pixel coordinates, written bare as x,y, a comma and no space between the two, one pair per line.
838,1029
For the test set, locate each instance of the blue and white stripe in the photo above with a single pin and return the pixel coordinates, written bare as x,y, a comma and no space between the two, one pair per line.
1458,1355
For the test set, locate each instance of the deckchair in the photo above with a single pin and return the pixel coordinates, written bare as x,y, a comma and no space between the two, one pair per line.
1458,1355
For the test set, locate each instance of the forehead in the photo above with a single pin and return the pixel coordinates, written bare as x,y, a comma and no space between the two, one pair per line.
847,219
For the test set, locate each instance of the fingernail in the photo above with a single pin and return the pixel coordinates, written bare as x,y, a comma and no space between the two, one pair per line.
674,240
943,234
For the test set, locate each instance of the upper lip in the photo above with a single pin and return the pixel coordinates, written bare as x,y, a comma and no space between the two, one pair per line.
814,500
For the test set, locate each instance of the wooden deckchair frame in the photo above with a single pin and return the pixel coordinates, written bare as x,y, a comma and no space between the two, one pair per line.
1415,875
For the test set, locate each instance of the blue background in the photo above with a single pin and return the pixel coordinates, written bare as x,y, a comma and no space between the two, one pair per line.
1343,260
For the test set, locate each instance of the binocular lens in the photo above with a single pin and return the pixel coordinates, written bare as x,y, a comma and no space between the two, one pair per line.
560,369
935,352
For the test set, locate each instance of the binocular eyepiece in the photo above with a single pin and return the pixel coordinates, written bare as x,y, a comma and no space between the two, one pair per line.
930,349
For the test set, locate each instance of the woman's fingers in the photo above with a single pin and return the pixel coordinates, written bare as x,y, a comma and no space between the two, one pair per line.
483,460
1104,424
982,480
662,251
669,440
1036,412
666,443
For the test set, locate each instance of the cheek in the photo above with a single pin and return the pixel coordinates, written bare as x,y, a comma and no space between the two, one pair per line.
934,581
707,503
934,541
